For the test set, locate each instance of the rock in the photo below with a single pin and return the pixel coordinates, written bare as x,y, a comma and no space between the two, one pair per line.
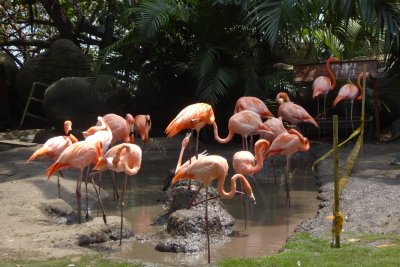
96,231
9,66
188,222
56,208
62,59
186,231
81,100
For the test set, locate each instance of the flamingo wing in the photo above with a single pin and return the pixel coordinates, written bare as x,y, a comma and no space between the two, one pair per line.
189,117
321,85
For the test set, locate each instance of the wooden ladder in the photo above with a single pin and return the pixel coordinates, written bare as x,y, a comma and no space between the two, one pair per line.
32,98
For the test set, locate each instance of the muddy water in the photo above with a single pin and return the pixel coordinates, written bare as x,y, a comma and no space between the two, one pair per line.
269,222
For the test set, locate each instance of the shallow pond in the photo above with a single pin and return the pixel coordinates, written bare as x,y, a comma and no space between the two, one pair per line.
270,222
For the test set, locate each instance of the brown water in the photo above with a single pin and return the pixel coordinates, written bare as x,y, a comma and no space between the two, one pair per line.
269,223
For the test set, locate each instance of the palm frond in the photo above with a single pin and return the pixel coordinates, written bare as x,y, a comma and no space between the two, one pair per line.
152,16
331,41
214,84
271,17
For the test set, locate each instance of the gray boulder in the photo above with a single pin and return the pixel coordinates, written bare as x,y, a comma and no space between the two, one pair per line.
62,59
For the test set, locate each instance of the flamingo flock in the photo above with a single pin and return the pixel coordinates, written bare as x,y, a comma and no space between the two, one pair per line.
109,145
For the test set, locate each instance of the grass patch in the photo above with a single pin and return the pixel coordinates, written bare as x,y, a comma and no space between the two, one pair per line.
83,261
305,250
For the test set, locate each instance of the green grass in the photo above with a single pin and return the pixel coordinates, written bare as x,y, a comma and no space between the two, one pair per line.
305,250
77,261
302,250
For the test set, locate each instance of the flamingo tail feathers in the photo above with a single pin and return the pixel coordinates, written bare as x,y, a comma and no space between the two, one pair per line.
40,152
54,168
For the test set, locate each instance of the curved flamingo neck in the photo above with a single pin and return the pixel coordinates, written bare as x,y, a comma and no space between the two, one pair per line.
260,146
67,130
303,140
219,139
330,73
231,193
185,143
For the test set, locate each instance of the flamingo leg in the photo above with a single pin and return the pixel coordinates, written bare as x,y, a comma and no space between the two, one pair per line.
345,111
58,183
190,157
207,230
351,115
98,208
287,180
318,119
87,200
78,194
98,197
191,202
115,191
197,143
325,106
122,206
244,206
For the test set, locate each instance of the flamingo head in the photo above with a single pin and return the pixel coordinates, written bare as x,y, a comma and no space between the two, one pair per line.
67,127
282,98
334,59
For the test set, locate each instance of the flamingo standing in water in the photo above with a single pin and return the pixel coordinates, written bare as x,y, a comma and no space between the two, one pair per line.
194,116
53,147
207,169
350,92
254,104
77,156
245,163
245,123
122,130
322,84
292,112
125,158
287,144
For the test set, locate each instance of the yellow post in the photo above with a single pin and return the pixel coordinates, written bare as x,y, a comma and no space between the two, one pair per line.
335,231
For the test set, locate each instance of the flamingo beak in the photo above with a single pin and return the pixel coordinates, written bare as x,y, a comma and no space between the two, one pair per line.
253,199
131,129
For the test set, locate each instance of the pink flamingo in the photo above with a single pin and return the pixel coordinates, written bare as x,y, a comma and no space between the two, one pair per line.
276,126
350,92
207,169
121,128
53,147
194,116
125,158
322,84
292,112
142,126
254,104
245,163
287,144
77,156
245,123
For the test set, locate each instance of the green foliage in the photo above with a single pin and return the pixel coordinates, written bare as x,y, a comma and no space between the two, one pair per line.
98,261
305,250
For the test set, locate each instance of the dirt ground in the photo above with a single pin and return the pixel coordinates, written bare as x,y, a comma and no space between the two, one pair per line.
370,202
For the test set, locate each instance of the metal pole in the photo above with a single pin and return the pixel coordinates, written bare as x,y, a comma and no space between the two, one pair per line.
336,175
